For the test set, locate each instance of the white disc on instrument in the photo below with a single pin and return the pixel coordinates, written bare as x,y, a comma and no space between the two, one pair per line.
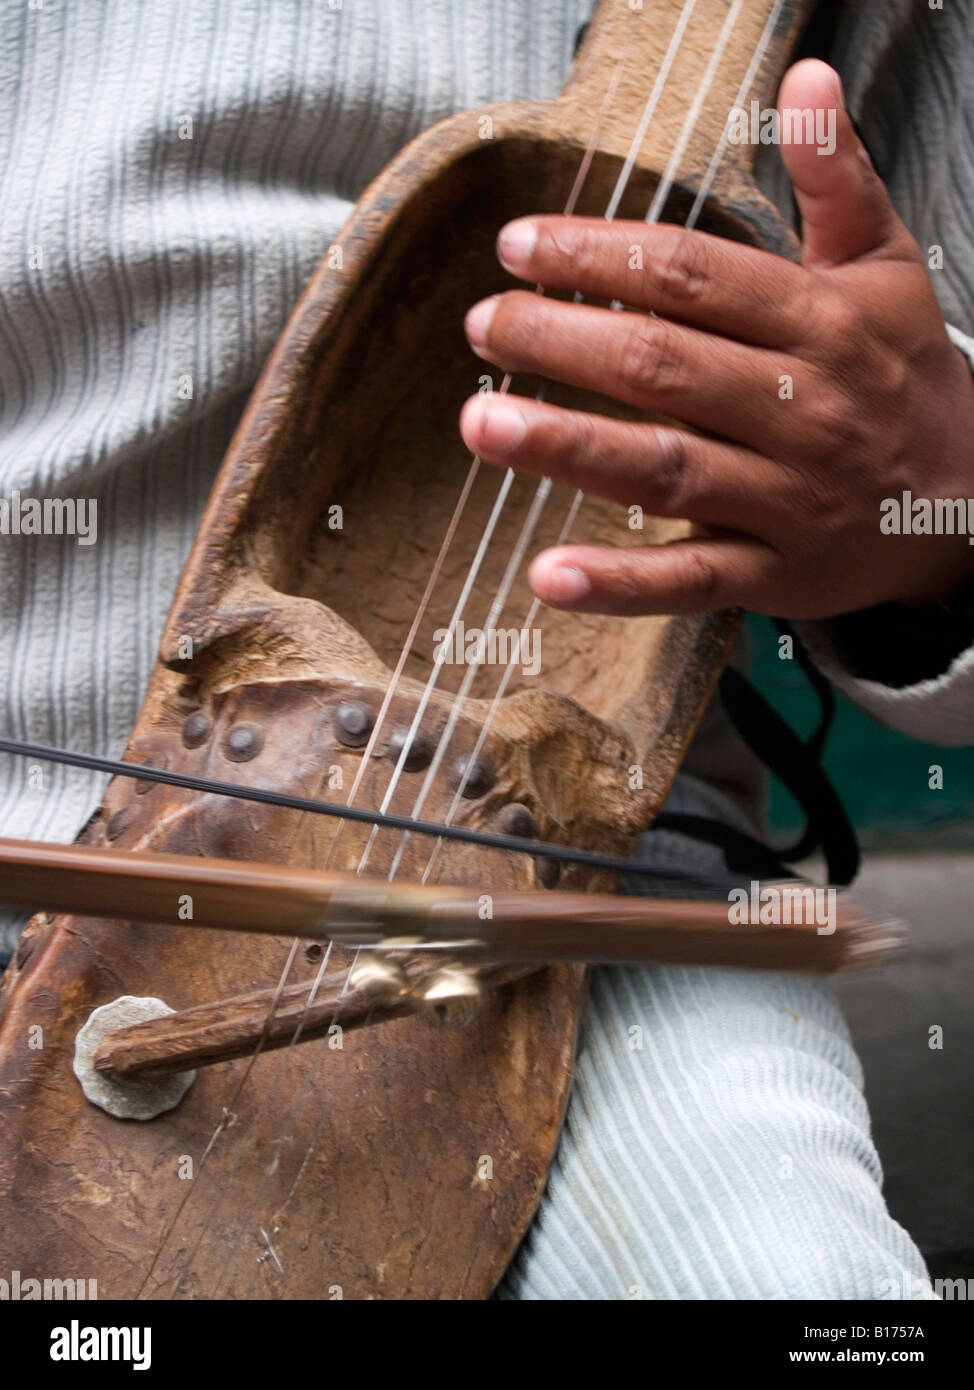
138,1099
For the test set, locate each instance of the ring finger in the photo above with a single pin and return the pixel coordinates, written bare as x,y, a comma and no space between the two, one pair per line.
667,471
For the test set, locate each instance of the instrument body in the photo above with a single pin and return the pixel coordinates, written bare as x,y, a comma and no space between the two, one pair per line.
407,1163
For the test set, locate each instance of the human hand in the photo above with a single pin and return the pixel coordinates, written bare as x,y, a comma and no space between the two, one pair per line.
784,492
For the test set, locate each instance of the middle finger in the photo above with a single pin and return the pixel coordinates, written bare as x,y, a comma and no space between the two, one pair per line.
727,388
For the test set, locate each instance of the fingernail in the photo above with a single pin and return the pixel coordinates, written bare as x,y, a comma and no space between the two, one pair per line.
502,426
568,585
477,322
516,243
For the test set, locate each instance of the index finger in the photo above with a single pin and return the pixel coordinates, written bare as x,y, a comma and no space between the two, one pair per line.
691,277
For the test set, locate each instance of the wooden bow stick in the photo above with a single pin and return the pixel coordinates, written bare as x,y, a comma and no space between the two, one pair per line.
496,936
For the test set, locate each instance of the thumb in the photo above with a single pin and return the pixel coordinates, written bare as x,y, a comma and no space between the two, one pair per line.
846,211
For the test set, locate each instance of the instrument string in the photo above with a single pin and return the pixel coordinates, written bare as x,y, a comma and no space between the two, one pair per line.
523,540
432,829
544,489
496,701
541,496
653,214
394,682
570,204
510,474
513,844
544,486
511,572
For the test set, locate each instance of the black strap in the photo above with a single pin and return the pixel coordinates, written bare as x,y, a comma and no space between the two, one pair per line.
794,761
744,854
797,766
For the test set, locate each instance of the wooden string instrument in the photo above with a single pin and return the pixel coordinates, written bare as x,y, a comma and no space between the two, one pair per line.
407,1162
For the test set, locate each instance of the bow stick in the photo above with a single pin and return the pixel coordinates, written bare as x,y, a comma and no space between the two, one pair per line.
499,936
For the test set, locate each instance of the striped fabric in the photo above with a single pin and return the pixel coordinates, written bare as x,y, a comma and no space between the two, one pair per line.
169,175
717,1144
